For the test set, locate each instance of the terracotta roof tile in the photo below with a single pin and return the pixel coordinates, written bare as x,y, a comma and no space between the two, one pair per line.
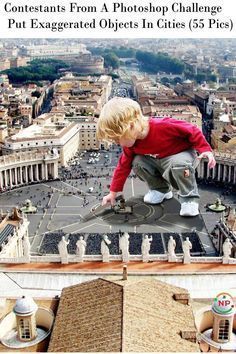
129,316
89,318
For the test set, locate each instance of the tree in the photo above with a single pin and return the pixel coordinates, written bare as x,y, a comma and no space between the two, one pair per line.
153,63
111,60
37,70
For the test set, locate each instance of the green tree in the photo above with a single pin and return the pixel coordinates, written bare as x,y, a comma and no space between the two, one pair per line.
37,70
111,60
153,63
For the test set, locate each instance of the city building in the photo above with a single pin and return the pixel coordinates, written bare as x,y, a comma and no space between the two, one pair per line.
187,113
14,237
21,168
83,95
52,51
227,71
19,61
225,229
4,64
48,131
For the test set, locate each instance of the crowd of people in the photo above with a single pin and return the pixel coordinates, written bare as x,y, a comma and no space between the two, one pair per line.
93,242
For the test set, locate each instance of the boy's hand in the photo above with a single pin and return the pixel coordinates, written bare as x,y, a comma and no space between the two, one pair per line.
210,156
109,199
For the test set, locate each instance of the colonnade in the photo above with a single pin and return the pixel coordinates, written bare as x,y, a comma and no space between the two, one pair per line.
224,171
23,168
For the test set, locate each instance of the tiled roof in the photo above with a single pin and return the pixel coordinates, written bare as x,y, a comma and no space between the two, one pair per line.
153,320
89,318
133,315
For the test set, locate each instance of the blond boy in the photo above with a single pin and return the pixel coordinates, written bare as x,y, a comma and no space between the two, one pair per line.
162,152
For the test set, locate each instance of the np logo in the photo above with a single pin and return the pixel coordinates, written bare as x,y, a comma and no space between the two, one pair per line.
224,303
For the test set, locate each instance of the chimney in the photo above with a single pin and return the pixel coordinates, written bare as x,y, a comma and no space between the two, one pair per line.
125,275
182,298
191,336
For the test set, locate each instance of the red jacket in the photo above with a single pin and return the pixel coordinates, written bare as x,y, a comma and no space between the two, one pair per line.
166,137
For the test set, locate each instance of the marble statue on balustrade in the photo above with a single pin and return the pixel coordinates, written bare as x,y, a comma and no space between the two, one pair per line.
105,248
81,248
227,248
124,246
171,249
63,251
26,247
187,246
145,247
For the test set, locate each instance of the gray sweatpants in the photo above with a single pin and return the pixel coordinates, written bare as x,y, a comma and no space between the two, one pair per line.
177,171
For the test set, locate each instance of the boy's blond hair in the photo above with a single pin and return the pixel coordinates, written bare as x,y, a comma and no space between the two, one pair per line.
115,118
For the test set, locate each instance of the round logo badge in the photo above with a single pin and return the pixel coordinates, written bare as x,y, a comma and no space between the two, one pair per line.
223,304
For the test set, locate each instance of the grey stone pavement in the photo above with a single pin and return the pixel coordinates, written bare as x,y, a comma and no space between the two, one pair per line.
66,205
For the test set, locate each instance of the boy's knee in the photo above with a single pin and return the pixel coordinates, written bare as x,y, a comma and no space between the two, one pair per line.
138,161
141,166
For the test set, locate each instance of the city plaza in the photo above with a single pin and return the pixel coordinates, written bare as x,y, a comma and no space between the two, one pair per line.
70,206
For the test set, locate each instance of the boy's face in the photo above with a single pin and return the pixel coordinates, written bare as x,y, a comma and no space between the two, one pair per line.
126,142
129,140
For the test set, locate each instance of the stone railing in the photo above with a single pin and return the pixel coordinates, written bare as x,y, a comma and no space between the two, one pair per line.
113,258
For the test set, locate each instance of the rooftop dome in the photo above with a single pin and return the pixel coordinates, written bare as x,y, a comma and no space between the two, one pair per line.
25,306
223,304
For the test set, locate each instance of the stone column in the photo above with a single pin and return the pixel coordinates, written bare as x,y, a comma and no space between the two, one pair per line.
42,171
208,171
10,177
16,177
31,173
224,172
26,174
214,172
199,170
202,169
37,172
229,175
46,171
234,181
1,180
5,178
219,168
21,177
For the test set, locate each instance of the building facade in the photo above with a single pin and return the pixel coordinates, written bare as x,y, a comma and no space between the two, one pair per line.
49,131
224,171
27,167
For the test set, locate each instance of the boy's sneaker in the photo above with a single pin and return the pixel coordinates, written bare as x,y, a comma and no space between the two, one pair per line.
155,197
189,209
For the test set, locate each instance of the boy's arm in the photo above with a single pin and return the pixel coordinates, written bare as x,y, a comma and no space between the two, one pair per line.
122,170
210,156
197,140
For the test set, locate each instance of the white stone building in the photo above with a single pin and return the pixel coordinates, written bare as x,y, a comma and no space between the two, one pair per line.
24,167
14,238
49,131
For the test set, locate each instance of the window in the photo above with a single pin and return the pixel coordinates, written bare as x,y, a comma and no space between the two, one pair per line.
224,329
24,328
